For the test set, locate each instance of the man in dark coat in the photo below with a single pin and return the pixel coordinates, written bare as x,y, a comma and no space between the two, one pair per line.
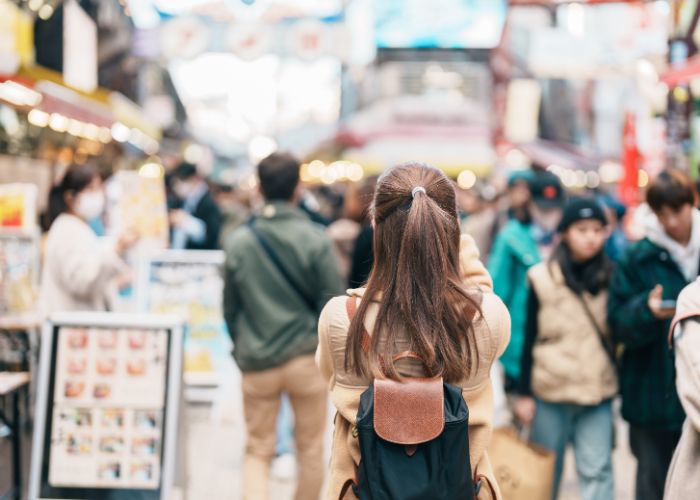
197,224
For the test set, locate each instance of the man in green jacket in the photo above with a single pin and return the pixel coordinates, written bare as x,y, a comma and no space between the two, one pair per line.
280,271
518,247
641,303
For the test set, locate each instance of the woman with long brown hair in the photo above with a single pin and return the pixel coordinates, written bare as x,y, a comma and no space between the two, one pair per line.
427,293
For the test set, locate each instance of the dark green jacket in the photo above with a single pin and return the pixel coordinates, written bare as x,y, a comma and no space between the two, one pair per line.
269,322
647,374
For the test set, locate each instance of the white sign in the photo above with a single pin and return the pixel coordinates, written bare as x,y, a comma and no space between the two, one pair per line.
79,48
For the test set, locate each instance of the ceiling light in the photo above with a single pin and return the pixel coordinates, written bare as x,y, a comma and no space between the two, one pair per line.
38,118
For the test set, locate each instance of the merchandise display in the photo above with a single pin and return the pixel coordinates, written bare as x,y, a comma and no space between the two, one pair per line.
19,272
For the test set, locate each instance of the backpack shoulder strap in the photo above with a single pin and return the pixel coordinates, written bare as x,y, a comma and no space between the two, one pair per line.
351,308
678,319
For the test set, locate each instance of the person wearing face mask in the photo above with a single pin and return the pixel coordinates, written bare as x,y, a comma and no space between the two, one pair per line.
197,224
568,376
79,269
519,246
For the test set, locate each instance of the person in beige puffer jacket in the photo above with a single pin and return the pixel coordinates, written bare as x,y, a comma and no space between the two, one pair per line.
568,375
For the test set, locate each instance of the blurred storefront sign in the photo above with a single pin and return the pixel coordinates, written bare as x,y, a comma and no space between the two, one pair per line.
79,48
607,39
16,43
522,110
307,39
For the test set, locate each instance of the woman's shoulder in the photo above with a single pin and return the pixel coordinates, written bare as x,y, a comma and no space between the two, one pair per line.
494,324
334,314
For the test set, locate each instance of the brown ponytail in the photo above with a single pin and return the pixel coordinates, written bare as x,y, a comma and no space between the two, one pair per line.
416,274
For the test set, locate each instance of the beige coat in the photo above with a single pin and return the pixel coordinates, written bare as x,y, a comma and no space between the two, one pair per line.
78,268
492,335
683,481
569,363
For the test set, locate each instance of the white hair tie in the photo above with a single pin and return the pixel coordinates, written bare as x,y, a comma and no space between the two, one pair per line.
418,189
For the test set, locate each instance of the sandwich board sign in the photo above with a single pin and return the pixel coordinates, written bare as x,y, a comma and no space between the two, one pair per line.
108,406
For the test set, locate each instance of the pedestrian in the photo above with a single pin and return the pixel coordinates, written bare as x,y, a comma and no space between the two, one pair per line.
80,270
197,223
683,481
518,247
280,271
568,379
427,292
362,252
478,216
617,242
643,291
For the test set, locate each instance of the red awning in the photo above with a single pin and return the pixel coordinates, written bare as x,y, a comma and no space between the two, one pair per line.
682,74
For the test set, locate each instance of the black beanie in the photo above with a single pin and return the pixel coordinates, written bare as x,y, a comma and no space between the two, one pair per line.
581,209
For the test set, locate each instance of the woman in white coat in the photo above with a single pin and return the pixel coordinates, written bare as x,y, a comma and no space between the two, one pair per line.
79,268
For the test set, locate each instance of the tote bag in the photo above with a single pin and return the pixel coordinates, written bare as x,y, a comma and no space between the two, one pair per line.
524,471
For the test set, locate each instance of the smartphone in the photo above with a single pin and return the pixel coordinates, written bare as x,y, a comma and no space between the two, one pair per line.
667,304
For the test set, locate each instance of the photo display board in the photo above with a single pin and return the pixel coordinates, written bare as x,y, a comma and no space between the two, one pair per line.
189,283
107,407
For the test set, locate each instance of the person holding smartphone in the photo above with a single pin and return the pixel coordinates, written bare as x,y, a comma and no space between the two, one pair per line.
644,286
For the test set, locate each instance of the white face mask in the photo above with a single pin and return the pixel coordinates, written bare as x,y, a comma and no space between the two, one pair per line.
90,205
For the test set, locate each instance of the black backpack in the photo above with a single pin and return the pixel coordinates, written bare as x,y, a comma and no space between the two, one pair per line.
414,439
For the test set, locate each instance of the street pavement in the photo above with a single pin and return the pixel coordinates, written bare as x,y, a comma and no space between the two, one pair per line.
216,440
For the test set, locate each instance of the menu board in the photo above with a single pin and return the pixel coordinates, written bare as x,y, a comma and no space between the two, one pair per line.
18,206
189,283
19,272
107,407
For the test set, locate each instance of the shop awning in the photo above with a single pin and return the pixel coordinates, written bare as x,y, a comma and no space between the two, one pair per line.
548,153
682,74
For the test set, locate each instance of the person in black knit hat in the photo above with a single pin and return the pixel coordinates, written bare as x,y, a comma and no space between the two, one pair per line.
568,376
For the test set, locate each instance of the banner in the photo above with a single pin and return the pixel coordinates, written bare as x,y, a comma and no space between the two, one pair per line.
138,202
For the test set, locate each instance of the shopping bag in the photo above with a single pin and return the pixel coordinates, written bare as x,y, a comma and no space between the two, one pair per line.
524,471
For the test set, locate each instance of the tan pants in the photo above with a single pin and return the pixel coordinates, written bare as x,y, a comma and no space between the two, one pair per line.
308,394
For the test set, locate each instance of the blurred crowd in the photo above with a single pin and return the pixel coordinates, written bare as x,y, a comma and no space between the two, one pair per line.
590,309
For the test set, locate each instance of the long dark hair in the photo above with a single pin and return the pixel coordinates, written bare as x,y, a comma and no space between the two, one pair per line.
590,276
417,274
76,178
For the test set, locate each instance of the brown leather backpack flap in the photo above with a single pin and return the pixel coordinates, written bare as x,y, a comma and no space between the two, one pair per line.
409,412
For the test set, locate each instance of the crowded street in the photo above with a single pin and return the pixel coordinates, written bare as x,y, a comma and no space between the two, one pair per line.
349,249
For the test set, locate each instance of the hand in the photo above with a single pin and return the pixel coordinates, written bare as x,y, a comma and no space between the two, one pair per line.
127,240
525,409
654,303
178,217
124,280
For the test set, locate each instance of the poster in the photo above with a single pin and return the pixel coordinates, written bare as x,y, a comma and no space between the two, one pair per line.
108,407
19,272
190,284
138,202
18,206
